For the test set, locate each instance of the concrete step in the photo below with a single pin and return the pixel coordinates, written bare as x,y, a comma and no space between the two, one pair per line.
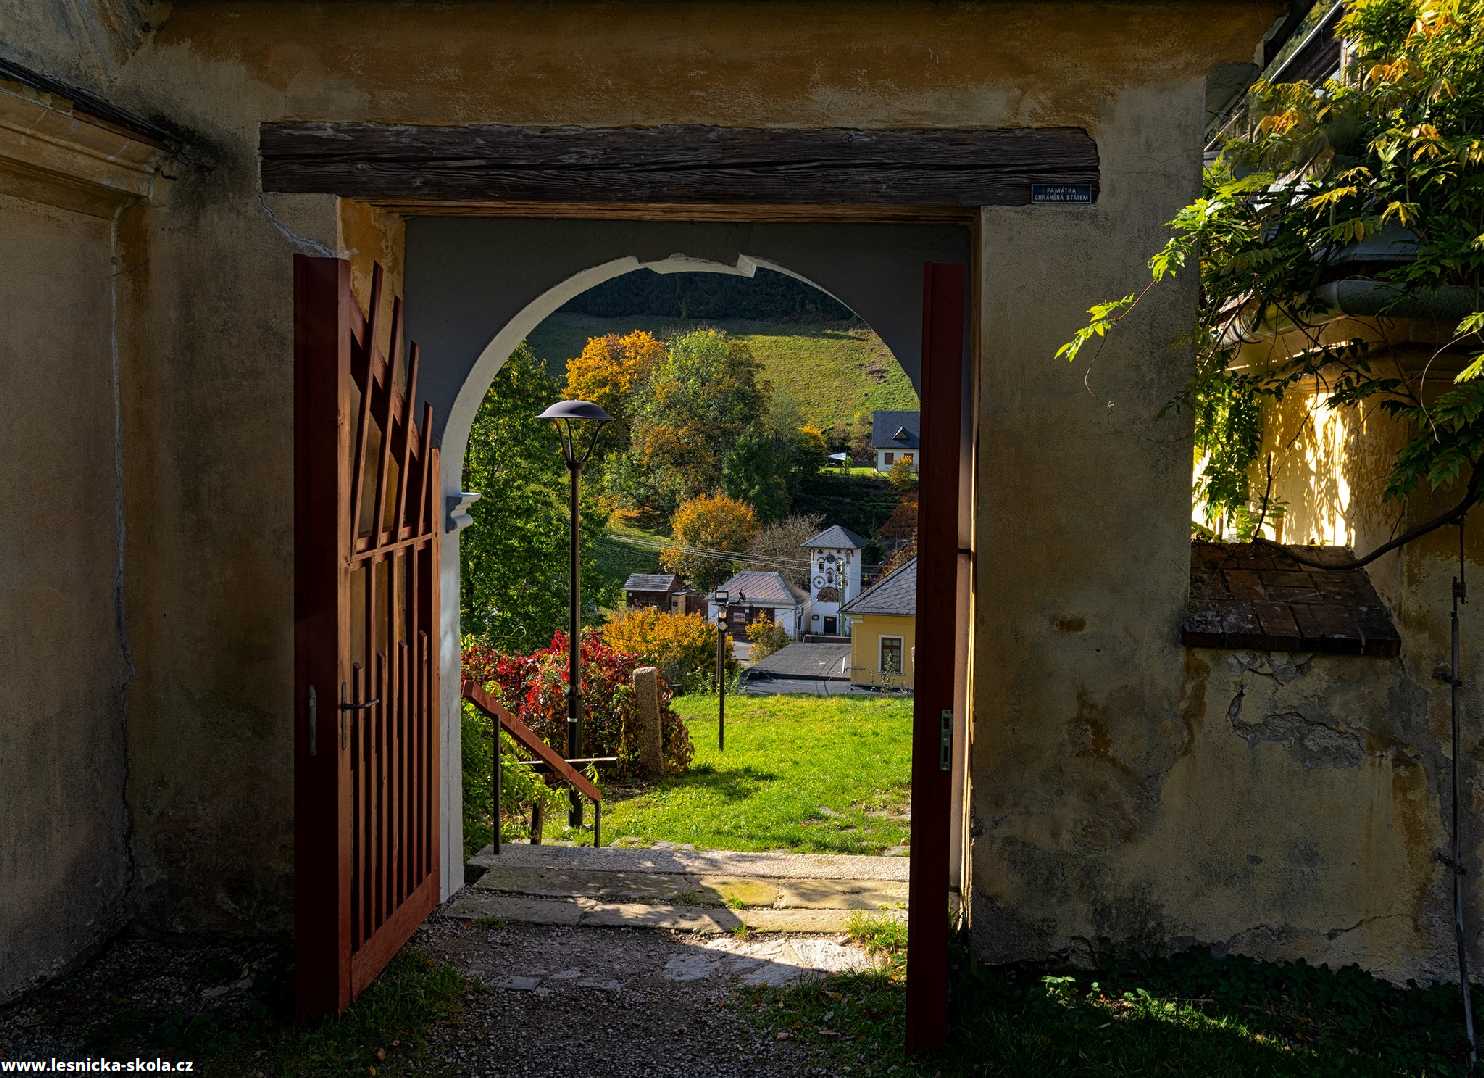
703,891
685,859
684,888
474,904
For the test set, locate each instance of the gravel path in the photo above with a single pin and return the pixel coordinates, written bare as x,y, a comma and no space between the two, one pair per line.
137,981
619,1003
557,1001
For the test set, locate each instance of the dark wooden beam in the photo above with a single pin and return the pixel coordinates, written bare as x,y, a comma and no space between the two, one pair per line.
678,163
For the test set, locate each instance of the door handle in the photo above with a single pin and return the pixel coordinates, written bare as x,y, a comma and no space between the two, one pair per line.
344,707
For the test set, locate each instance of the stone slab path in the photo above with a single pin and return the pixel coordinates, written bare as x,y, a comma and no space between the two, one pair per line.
706,892
622,1003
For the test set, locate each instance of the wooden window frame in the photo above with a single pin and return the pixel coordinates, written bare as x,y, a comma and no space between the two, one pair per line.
881,655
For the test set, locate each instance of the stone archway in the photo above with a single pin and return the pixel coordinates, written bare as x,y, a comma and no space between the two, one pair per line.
455,441
476,287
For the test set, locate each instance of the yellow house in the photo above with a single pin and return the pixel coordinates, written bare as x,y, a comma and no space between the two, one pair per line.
883,630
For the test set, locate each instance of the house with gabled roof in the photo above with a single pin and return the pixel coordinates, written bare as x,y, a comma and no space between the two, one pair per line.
651,589
760,595
896,437
883,630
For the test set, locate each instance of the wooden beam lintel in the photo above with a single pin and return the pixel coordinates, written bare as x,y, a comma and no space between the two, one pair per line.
680,164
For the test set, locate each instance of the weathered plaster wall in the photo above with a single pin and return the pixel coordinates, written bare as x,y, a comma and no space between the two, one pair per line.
208,396
1128,792
1078,676
1331,469
63,858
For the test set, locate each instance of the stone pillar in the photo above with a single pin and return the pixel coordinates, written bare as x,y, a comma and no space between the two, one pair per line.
647,720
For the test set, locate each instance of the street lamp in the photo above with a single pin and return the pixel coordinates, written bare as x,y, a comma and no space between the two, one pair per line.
722,599
571,417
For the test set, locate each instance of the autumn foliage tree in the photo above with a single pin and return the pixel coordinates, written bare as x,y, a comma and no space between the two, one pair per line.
899,534
609,372
698,402
705,529
766,637
780,546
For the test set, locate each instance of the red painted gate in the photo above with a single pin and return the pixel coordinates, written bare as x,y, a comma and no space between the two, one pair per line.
938,663
366,528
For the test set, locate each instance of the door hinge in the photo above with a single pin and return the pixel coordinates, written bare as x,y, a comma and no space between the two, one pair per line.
313,722
945,740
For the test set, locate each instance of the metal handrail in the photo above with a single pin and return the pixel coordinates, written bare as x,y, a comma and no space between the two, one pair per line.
547,759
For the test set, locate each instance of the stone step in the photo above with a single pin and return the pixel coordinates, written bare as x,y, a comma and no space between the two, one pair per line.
683,860
693,889
477,904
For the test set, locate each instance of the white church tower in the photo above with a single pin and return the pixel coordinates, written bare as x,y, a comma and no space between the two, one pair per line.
834,578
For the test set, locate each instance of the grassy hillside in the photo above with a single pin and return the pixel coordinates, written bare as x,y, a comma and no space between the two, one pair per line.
830,371
615,559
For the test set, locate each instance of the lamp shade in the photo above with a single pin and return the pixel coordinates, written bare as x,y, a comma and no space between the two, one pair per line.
576,410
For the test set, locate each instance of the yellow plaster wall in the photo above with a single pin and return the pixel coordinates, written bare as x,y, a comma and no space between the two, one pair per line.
866,631
1331,469
1130,793
731,62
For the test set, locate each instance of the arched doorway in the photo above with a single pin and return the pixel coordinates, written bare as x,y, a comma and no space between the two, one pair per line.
476,289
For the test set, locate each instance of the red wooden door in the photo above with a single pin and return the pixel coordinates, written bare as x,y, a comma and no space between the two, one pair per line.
366,568
938,667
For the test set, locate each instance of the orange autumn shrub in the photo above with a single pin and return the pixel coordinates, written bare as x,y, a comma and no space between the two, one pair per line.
683,646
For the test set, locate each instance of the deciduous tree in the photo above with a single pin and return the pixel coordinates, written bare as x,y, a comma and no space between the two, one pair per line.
698,401
779,546
513,557
610,371
706,530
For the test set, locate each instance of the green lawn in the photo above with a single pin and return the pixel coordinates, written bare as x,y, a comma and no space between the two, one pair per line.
1190,1015
828,370
799,773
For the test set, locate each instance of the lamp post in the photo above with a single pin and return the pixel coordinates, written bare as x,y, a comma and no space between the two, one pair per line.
570,417
722,599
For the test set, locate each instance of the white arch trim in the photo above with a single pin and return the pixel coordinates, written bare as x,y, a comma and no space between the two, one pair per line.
456,502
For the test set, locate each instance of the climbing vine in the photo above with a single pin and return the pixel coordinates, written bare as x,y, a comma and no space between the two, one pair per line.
1387,157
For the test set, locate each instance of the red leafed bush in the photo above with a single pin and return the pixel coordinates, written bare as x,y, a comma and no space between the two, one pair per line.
535,687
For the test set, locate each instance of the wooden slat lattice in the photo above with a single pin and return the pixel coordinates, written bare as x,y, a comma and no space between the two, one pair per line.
392,551
382,548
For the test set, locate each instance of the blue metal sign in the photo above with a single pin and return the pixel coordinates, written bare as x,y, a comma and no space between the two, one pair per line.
1061,192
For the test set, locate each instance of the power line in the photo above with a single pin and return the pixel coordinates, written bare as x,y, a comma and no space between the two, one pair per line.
707,552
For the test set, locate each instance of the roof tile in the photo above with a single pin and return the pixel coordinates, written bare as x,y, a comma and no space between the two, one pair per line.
895,593
1259,598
